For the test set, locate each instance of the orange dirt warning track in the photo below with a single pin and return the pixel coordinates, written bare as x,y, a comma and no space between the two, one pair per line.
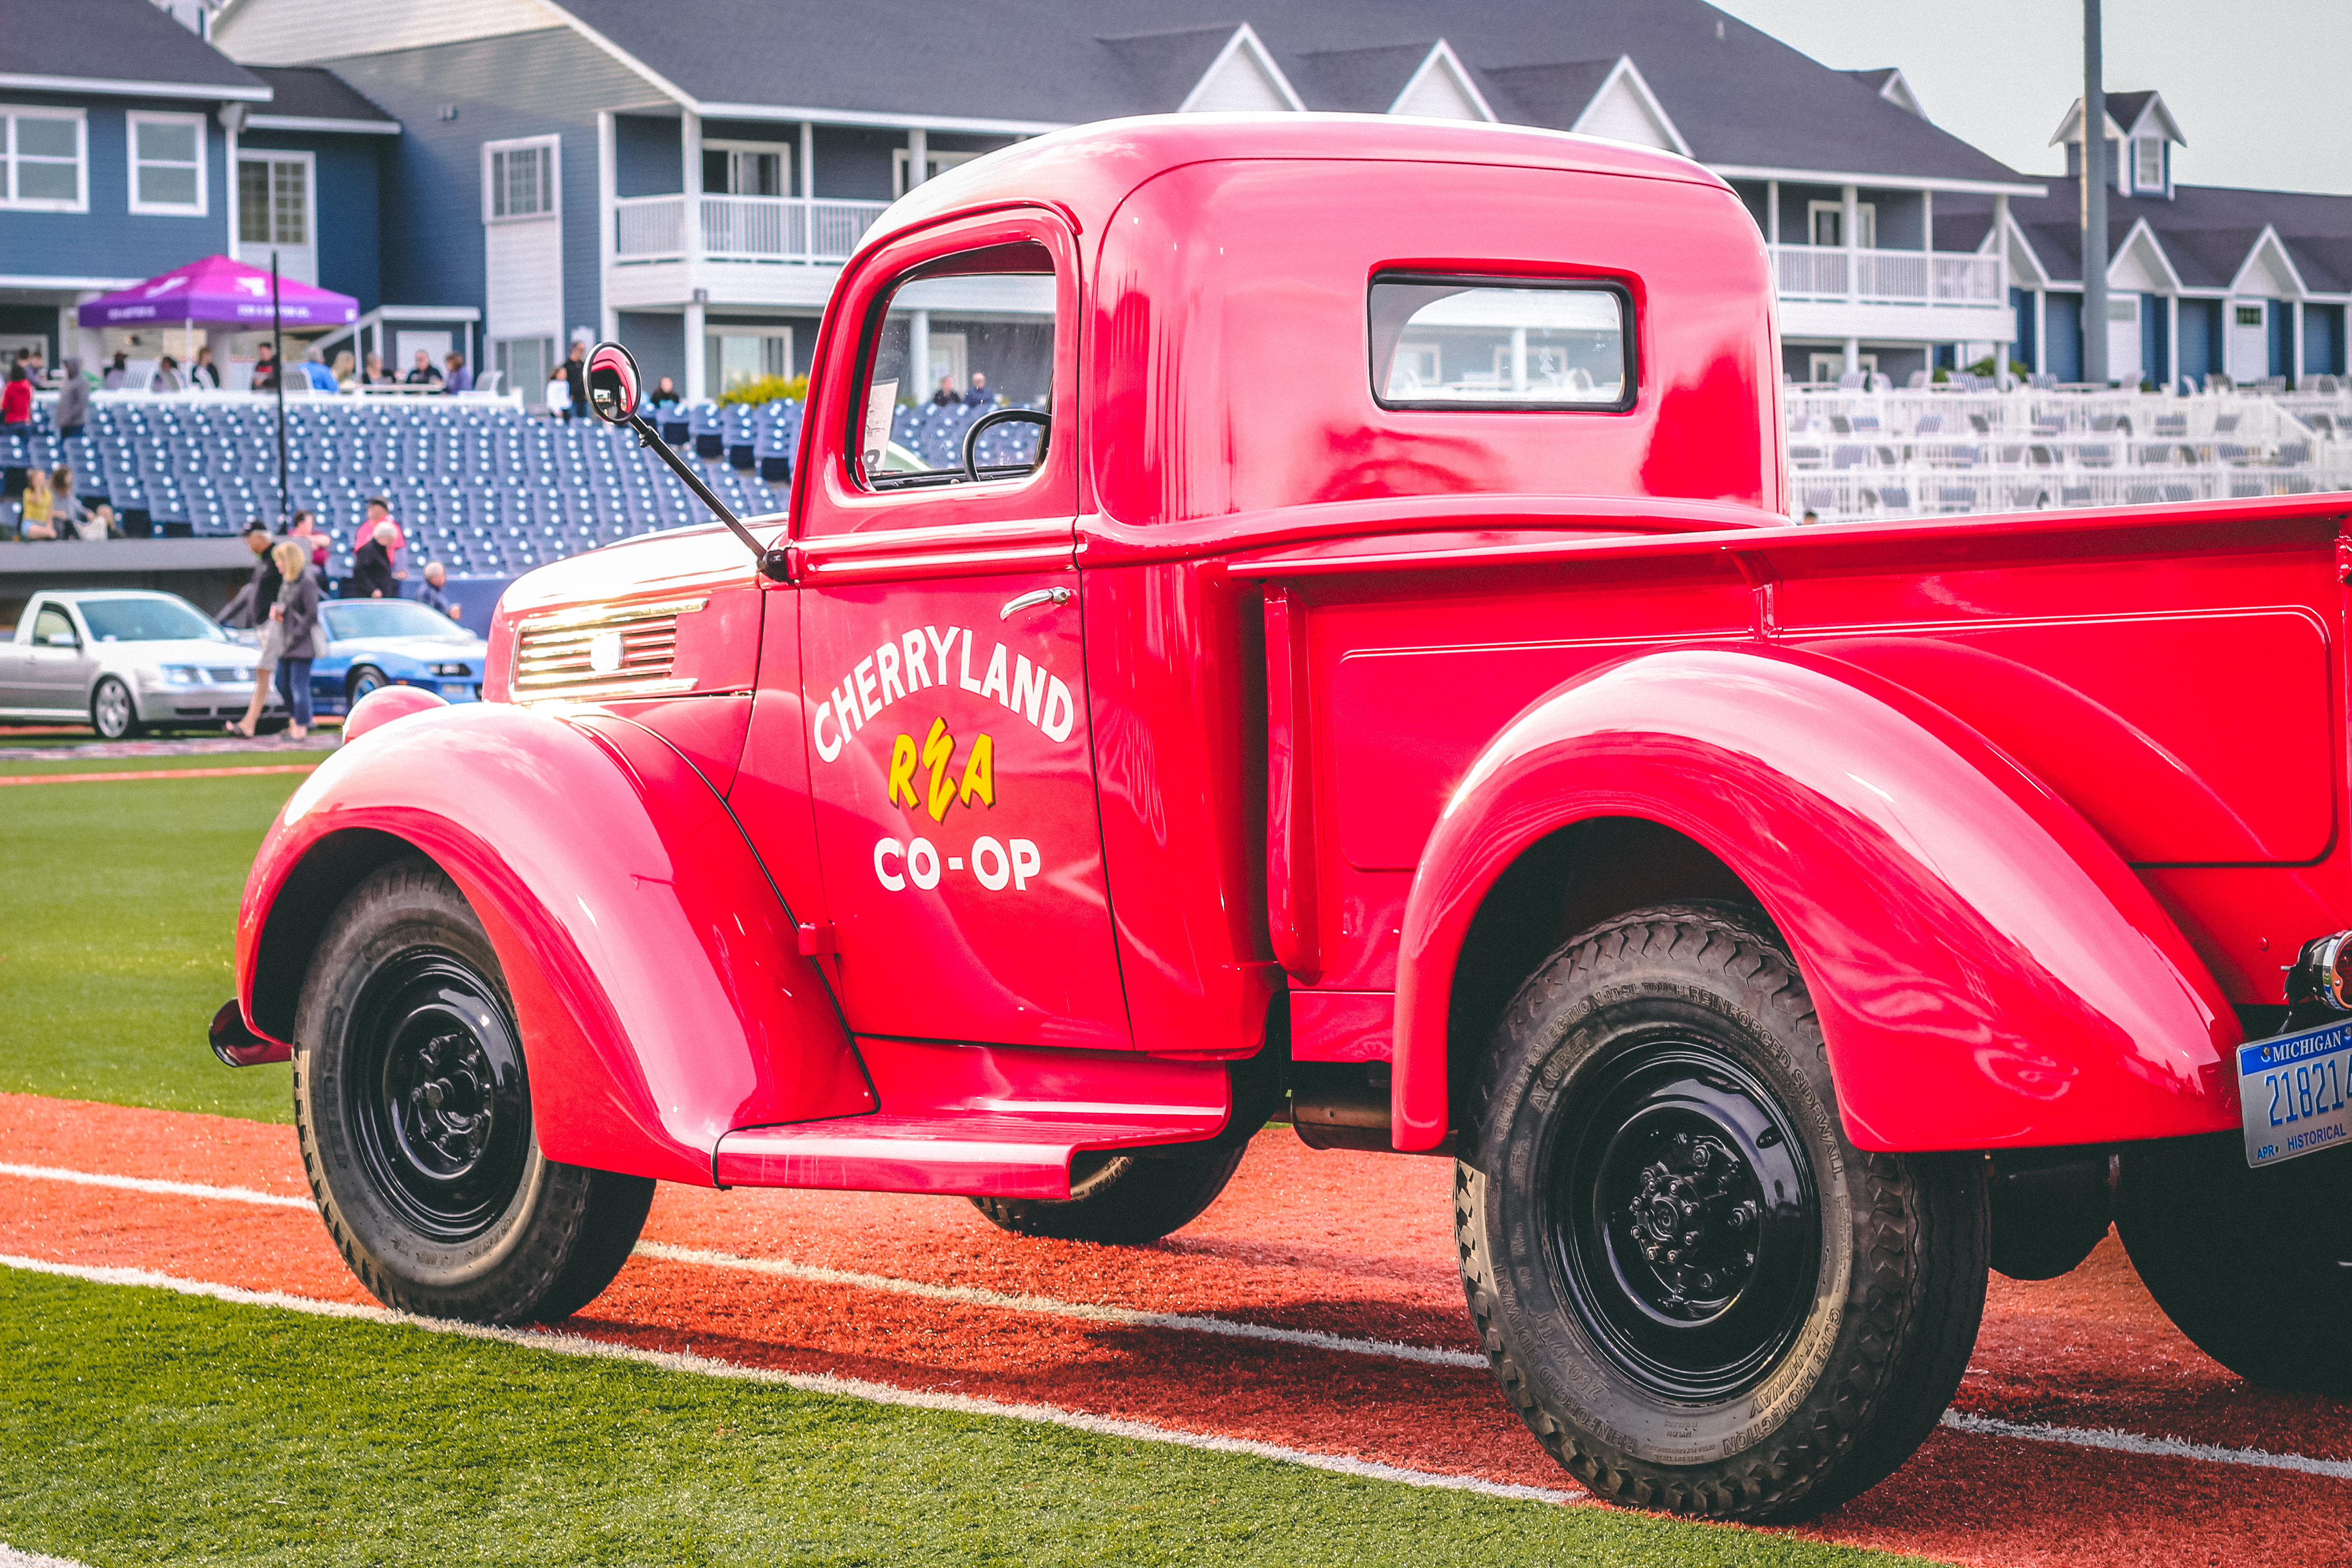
1316,1308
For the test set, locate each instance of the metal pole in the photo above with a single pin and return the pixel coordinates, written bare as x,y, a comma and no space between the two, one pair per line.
277,354
2094,201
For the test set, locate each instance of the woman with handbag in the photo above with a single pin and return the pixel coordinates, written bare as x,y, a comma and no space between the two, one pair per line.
301,637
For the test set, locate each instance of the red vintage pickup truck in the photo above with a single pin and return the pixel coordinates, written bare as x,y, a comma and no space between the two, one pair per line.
1369,681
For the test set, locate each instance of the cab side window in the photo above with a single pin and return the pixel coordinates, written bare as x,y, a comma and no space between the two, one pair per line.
54,629
958,372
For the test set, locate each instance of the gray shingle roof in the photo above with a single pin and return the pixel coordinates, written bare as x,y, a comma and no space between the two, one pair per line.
113,41
312,92
1741,97
2206,231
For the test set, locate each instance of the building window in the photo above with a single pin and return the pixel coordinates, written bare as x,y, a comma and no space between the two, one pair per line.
2250,315
167,163
732,357
745,170
519,179
41,160
1827,222
273,201
524,362
934,165
2150,176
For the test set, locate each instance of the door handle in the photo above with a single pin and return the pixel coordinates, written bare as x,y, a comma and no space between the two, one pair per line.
1032,599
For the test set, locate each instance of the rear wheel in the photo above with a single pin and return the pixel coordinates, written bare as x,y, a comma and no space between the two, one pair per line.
413,1112
1123,1197
112,713
1700,1296
2255,1267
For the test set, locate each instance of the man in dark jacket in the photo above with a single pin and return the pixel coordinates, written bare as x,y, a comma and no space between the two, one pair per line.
575,375
251,605
372,566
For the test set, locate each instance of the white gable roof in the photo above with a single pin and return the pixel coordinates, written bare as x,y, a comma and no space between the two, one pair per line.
1242,77
1441,89
1625,110
293,32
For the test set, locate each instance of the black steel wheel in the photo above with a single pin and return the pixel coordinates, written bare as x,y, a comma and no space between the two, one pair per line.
412,1101
1124,1197
112,712
1697,1294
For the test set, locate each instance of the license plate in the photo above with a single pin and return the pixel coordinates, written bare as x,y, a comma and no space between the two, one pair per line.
2294,1093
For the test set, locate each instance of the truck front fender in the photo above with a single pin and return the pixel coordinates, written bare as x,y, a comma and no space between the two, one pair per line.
655,974
1987,971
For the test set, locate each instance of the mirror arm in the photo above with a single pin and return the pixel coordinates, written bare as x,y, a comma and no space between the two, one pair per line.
774,564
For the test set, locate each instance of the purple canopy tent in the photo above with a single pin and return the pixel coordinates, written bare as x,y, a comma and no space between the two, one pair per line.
217,291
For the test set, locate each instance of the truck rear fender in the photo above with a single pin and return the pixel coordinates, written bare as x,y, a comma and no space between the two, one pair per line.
1987,970
655,974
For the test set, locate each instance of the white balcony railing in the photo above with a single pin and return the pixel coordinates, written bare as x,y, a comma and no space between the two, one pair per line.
1887,277
743,228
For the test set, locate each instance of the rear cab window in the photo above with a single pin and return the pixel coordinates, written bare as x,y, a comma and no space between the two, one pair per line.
1443,341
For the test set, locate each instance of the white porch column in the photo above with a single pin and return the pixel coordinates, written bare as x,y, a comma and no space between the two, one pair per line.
2040,330
918,154
2294,349
1851,228
696,371
2000,241
1772,212
1519,359
918,357
690,137
607,217
808,191
1927,229
232,117
2172,342
1853,354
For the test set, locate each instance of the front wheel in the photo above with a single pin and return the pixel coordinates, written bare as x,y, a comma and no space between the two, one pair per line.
414,1112
2255,1267
1700,1296
112,713
367,678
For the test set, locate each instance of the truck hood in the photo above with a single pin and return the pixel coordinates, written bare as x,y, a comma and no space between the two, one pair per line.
706,555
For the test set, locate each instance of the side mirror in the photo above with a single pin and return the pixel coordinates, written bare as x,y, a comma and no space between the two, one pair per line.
612,383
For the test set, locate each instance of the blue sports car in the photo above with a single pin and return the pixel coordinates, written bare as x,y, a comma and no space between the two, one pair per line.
394,642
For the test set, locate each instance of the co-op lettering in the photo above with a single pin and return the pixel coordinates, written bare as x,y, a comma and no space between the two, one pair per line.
920,660
992,863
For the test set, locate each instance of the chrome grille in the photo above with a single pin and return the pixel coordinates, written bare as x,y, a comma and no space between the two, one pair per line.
604,650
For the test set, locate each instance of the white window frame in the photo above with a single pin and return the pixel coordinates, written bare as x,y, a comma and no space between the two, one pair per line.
132,163
8,199
2141,148
553,146
1865,221
946,161
309,161
786,153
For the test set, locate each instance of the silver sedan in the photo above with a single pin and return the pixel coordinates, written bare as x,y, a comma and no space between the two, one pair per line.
119,661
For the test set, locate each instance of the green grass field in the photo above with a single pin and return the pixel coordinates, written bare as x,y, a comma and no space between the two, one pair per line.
141,1426
120,905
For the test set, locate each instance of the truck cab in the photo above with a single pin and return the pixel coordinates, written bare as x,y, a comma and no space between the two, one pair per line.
1360,675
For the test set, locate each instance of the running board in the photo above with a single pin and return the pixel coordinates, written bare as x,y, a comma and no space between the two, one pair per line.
983,1121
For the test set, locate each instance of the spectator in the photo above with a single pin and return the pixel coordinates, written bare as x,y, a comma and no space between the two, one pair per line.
980,396
72,411
458,379
344,368
1810,517
431,596
665,393
167,376
17,398
379,515
376,375
204,373
98,522
37,501
945,397
371,565
251,605
118,375
305,527
559,392
300,637
422,374
315,371
575,373
65,506
265,369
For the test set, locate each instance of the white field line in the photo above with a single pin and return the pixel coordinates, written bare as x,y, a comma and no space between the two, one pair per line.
12,1558
142,1184
820,1383
1050,1306
2113,1441
1958,1421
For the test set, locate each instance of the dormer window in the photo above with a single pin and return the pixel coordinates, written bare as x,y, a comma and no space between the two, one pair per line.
2148,162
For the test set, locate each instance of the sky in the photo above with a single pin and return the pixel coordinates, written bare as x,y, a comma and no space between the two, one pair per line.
2259,87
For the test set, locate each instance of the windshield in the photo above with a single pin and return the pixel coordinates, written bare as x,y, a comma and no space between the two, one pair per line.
391,618
148,620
